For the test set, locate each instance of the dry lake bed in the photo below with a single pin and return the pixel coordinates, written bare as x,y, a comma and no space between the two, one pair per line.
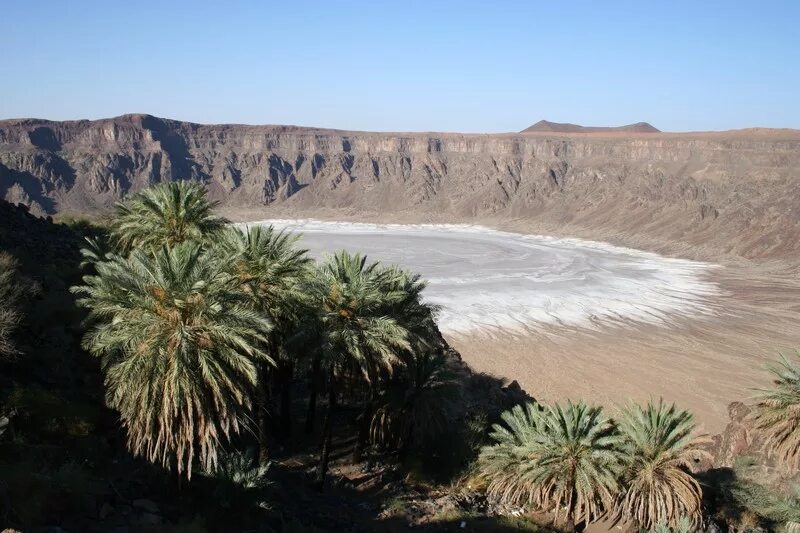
570,318
487,280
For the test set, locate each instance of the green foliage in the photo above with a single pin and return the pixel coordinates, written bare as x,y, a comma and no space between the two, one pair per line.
417,405
167,214
33,493
556,458
179,350
95,249
238,477
354,300
739,498
184,312
769,505
241,469
571,458
421,395
51,413
777,413
272,271
682,525
416,316
12,290
659,451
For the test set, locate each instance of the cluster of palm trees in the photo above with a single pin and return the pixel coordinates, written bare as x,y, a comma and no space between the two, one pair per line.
571,460
199,323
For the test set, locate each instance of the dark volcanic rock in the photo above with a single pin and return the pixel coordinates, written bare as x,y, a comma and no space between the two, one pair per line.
737,439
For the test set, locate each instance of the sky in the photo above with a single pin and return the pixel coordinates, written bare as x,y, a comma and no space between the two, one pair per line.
491,66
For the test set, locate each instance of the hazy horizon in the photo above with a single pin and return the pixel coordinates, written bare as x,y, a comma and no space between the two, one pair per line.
447,66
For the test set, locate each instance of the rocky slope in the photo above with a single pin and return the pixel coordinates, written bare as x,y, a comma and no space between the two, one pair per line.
700,194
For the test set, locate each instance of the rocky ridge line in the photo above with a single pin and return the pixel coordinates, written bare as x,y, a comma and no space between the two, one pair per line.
700,195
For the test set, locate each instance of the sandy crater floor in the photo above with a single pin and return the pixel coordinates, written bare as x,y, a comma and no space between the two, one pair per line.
582,319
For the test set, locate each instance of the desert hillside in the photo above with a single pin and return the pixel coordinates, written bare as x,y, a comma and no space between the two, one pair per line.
698,194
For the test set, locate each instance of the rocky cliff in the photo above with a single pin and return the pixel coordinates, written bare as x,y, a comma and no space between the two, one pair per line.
704,193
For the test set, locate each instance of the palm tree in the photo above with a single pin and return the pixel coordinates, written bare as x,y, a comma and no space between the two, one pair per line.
272,271
308,336
353,298
179,349
417,318
660,451
777,413
770,506
239,490
94,249
417,403
408,308
556,458
167,214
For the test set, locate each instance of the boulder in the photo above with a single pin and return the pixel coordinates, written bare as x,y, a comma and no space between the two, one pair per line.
737,439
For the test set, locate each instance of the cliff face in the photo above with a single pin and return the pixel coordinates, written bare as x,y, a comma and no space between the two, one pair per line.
731,192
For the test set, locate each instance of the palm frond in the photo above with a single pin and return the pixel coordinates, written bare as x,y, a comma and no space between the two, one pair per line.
777,412
418,403
165,215
11,292
660,451
272,270
179,348
561,458
361,313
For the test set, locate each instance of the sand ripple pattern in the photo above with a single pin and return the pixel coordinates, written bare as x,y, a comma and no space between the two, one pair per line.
486,279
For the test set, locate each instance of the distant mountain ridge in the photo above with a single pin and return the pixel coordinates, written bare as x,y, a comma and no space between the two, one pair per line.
564,127
696,193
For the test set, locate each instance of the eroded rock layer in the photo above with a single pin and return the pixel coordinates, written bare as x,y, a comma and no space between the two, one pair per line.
728,192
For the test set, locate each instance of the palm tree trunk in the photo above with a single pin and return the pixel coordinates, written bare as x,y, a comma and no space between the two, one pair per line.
286,398
569,527
312,399
405,445
322,471
263,415
363,425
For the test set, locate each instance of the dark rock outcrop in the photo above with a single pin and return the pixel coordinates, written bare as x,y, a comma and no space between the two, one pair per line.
742,448
737,439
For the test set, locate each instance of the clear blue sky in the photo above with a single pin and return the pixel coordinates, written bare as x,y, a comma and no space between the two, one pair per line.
406,66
